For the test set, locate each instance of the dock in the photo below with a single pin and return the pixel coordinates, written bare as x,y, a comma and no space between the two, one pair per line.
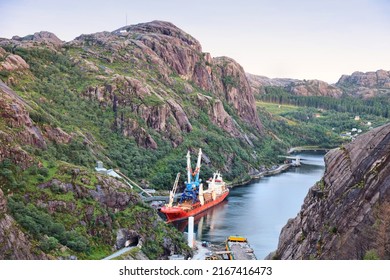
239,248
306,148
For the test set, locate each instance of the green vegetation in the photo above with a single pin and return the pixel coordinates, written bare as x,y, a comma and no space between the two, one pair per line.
313,120
229,81
377,106
10,178
97,135
77,224
277,109
41,225
98,115
371,255
299,129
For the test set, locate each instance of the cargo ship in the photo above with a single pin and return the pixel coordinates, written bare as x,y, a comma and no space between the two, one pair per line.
195,199
239,248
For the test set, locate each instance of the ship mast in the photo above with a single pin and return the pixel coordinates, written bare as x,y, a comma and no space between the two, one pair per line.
192,185
189,177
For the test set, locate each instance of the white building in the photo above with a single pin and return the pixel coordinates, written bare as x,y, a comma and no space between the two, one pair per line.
110,172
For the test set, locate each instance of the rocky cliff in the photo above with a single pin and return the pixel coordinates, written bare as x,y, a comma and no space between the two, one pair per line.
17,128
43,38
294,86
313,88
366,85
166,51
358,84
346,214
151,81
258,82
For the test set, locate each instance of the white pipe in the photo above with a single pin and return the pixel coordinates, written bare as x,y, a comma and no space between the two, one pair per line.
191,231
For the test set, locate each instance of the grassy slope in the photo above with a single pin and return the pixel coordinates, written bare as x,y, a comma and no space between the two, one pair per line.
52,89
303,126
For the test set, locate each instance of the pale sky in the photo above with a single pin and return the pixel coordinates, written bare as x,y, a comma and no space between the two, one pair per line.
302,39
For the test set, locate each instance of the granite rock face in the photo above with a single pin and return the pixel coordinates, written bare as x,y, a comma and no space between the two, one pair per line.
218,115
314,88
11,62
346,214
230,80
18,128
45,37
294,86
258,82
367,84
167,50
358,84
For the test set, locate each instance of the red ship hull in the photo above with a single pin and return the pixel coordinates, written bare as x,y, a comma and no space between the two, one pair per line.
176,213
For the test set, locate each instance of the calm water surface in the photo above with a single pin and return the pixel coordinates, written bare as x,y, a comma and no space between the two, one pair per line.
260,209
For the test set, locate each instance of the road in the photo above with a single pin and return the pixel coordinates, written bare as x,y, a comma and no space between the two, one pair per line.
118,253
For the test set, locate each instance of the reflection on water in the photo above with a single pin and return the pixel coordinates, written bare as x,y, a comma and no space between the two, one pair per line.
260,209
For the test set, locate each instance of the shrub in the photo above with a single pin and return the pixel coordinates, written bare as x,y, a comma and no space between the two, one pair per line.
371,255
40,178
57,230
48,244
33,170
37,222
43,171
76,241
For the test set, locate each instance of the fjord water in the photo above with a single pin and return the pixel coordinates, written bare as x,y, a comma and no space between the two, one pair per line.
261,208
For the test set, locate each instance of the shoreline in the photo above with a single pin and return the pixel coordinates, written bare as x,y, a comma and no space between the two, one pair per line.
278,170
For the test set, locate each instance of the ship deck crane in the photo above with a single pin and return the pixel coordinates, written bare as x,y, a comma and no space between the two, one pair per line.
173,191
192,184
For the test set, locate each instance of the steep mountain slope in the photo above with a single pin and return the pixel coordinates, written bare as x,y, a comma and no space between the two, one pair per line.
366,85
346,214
62,209
166,51
148,82
136,98
14,244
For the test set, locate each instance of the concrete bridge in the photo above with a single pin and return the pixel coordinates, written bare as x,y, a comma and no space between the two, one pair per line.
295,160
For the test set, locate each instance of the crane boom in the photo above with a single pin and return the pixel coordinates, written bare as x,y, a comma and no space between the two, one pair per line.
197,169
173,191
